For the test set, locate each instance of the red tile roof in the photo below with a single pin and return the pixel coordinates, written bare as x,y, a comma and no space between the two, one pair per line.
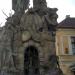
67,23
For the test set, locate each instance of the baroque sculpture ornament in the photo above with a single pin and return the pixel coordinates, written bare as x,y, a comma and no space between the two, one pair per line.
27,42
20,5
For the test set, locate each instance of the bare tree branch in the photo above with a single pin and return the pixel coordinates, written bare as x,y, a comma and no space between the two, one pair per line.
0,24
4,13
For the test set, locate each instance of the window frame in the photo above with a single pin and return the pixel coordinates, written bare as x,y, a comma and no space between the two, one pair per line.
69,43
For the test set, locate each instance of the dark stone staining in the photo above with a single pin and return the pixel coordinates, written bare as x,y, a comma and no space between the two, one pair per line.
39,24
31,61
20,5
39,4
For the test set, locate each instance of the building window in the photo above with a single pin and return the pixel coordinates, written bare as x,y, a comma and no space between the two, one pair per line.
65,45
73,44
66,51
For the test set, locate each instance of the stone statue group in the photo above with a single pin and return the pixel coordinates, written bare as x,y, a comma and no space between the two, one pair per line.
37,20
19,5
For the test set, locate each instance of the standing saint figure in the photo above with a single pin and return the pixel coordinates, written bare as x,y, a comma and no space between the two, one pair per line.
39,4
20,5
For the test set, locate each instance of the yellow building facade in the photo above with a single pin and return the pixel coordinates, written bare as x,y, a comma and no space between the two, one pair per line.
65,46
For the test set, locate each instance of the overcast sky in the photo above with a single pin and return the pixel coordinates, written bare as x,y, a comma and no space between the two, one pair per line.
65,7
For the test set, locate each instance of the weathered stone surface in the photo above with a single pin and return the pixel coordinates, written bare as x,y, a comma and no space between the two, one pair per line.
20,5
27,41
39,4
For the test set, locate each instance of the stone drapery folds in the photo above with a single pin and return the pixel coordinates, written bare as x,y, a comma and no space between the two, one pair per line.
24,29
